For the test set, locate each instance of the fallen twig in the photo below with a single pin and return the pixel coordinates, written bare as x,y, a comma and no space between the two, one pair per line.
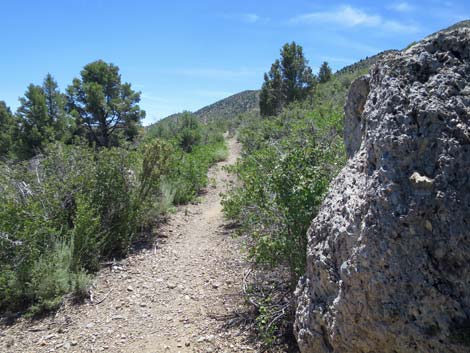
104,298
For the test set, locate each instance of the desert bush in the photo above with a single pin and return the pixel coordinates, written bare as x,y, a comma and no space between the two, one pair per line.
188,174
63,213
287,164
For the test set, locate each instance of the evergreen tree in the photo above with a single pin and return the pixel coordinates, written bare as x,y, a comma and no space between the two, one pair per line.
324,75
7,130
190,131
56,102
272,96
105,109
289,79
36,128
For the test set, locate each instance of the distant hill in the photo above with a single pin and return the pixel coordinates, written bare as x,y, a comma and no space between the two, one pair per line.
243,102
363,64
225,109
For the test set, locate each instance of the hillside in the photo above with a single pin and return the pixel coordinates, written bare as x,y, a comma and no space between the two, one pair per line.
243,102
363,64
224,109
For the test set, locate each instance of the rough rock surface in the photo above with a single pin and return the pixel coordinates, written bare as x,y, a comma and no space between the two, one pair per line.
389,252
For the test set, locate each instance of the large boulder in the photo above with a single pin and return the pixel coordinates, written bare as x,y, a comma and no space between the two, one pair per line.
388,266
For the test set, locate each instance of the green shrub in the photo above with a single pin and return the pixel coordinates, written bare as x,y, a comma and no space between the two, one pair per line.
188,173
86,236
287,164
65,212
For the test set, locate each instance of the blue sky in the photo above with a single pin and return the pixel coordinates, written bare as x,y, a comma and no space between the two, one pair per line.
183,55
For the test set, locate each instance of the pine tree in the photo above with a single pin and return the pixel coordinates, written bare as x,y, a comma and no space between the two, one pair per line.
324,75
105,109
289,79
272,97
7,130
56,102
36,128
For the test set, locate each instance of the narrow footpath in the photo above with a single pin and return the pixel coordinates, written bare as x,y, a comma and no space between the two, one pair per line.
170,297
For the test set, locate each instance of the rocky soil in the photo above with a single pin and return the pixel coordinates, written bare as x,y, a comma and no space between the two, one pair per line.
174,296
389,252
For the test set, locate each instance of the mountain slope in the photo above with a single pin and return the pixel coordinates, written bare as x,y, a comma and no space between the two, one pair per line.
363,64
224,109
230,107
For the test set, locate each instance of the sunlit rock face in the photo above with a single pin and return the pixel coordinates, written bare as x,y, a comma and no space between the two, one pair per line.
389,253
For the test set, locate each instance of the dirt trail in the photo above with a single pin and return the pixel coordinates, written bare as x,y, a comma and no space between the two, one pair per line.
162,299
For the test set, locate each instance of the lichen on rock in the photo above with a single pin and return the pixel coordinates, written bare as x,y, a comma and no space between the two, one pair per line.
388,263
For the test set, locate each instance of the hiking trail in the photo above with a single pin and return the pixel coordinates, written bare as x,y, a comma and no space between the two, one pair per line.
169,297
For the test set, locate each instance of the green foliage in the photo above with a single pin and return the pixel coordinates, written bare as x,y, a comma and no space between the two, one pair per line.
105,109
42,119
290,79
264,322
65,205
189,134
72,207
56,110
220,114
196,146
188,174
287,165
64,213
36,128
324,74
7,130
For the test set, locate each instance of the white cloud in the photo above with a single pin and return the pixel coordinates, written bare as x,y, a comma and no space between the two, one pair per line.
344,15
402,6
397,27
348,16
250,17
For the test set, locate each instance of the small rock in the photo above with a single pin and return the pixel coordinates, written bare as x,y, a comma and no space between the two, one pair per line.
428,225
421,180
130,289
